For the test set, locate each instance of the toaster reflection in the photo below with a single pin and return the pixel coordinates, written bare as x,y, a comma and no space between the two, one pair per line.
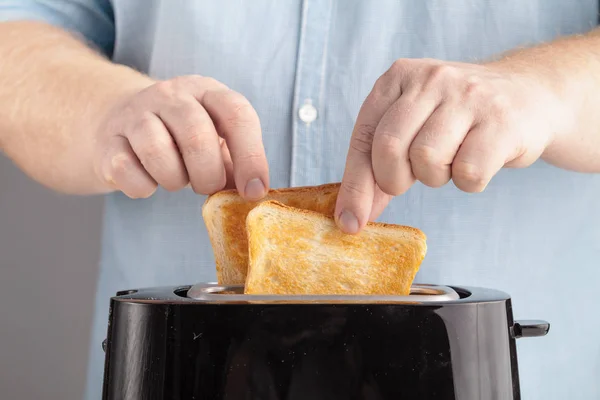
335,353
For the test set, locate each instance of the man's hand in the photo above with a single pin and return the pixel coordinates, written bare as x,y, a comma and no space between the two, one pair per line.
80,124
186,130
435,121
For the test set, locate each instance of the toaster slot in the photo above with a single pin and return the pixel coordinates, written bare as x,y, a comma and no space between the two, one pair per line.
419,293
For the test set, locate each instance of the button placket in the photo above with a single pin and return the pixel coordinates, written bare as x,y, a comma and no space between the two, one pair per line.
309,93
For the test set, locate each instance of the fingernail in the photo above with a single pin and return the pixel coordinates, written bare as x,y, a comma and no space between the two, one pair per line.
349,222
255,189
108,179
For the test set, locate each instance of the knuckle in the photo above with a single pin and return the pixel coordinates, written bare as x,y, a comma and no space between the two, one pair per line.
442,73
251,157
193,130
144,123
475,89
389,147
353,189
400,109
211,82
426,155
121,163
386,84
124,175
240,113
500,106
398,67
128,111
195,145
186,108
184,82
430,61
380,94
362,140
241,109
183,103
381,90
187,118
165,89
180,82
469,177
154,149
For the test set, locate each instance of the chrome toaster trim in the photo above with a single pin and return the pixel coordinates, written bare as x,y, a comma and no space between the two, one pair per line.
419,293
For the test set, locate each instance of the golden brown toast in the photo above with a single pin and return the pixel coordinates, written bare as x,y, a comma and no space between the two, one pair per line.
295,252
225,212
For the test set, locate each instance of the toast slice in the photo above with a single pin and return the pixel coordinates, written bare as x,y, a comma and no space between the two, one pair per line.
225,212
300,252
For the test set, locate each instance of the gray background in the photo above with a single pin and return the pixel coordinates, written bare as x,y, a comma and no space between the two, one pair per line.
49,249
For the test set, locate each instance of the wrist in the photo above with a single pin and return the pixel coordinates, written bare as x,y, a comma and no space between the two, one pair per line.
114,95
546,95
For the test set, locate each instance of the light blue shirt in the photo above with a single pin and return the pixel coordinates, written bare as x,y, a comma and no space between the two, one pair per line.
534,233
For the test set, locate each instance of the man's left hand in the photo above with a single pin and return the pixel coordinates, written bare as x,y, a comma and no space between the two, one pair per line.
437,121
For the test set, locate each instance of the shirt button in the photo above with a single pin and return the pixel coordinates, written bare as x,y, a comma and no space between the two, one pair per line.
308,112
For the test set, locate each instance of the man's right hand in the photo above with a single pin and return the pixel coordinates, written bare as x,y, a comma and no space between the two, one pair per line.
187,130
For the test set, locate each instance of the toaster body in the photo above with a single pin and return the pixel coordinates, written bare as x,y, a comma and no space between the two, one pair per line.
213,342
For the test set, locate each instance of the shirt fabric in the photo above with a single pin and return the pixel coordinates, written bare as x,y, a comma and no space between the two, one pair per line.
532,233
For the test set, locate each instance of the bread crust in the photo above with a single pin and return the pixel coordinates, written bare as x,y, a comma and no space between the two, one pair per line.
294,251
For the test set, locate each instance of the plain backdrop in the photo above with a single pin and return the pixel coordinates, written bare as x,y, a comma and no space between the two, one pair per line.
49,250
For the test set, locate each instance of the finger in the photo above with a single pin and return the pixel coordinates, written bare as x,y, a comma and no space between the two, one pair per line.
157,151
433,149
394,134
237,122
482,154
228,164
380,202
196,137
357,191
122,170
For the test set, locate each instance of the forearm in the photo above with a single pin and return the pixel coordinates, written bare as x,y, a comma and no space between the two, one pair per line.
53,89
570,69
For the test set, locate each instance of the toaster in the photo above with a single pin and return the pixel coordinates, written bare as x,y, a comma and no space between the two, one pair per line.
211,341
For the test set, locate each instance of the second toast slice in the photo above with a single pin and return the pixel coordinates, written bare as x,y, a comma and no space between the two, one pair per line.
295,252
225,212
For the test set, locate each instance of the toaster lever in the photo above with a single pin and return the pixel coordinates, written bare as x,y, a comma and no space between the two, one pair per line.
530,328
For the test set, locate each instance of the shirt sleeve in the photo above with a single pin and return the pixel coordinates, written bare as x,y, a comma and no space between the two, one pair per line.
91,19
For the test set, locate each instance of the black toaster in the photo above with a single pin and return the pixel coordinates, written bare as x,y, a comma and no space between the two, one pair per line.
213,342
